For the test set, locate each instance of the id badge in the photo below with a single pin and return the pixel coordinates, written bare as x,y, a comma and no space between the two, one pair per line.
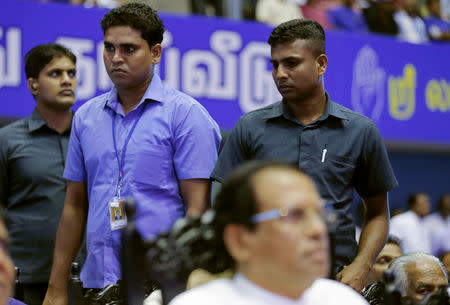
117,216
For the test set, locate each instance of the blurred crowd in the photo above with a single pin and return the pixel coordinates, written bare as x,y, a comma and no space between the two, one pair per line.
414,21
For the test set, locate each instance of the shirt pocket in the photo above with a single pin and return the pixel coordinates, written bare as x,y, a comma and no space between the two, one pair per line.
336,172
152,166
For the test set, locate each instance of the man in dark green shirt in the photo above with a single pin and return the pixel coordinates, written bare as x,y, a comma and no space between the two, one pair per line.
32,154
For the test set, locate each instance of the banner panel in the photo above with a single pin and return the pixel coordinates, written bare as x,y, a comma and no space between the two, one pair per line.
224,64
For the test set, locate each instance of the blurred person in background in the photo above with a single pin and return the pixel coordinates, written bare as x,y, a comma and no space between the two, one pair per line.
410,226
374,289
345,16
317,11
274,12
437,27
445,259
7,272
379,15
391,251
438,224
410,24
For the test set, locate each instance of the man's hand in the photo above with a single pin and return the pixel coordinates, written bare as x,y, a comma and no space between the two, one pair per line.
372,240
354,275
55,296
196,195
68,240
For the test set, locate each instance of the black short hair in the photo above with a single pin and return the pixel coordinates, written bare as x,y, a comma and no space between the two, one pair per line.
236,202
138,16
441,201
429,2
394,240
40,56
412,198
306,29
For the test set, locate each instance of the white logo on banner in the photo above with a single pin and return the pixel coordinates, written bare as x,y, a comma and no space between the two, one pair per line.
224,72
257,86
228,70
368,84
10,57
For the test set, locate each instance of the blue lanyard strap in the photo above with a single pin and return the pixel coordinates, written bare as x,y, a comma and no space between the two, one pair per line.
120,161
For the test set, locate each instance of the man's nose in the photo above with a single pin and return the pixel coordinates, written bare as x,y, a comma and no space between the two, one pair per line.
280,72
116,57
66,78
316,225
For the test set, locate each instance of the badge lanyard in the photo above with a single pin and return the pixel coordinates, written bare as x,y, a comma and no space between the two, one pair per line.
121,160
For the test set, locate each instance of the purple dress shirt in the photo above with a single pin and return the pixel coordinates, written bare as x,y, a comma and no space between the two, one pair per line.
174,139
12,301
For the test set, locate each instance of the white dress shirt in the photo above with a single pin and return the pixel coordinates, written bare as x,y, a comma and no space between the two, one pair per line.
412,232
240,291
439,228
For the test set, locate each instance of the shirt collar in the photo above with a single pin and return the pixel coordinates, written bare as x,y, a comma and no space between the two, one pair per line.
154,92
259,293
35,121
331,109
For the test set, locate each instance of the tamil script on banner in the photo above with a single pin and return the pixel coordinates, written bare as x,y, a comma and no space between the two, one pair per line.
224,64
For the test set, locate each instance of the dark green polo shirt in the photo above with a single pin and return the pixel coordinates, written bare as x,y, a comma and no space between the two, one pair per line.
32,192
355,158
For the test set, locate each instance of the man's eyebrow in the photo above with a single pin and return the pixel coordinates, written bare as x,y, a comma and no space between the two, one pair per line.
422,284
285,59
57,70
128,44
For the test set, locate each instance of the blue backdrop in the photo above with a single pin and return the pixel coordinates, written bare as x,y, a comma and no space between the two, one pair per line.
224,64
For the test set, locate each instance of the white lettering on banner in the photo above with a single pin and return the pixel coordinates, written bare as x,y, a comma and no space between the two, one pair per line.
257,85
85,65
225,43
202,70
10,56
368,84
172,62
211,73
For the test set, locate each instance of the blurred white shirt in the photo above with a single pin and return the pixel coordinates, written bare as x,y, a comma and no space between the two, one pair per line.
412,232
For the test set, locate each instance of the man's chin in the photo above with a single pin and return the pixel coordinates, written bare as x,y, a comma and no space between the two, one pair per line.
63,105
320,267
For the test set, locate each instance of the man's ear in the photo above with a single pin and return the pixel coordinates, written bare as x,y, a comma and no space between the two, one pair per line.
235,237
33,85
322,61
156,51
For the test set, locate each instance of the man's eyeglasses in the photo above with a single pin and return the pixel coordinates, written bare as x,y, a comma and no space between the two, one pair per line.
295,214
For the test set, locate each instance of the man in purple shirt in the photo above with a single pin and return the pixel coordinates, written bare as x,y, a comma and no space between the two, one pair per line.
142,139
